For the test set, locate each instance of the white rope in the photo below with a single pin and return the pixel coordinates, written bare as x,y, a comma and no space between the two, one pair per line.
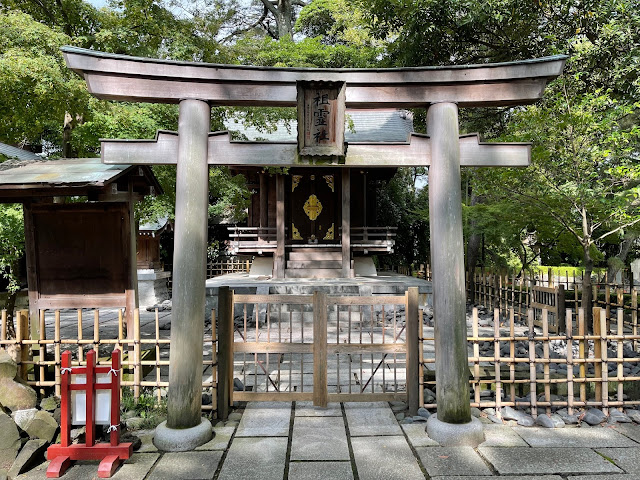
112,428
114,372
65,370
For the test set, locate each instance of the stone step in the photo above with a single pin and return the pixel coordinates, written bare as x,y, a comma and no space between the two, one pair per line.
313,273
315,254
314,264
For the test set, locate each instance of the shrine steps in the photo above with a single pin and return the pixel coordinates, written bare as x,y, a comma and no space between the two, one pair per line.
317,262
313,273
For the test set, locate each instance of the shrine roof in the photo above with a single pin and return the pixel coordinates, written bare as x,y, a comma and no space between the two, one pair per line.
388,125
21,179
17,153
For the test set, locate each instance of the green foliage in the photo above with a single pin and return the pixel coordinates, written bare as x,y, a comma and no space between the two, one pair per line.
11,243
37,88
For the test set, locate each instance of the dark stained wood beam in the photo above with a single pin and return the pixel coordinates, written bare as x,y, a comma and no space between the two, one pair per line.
120,77
222,151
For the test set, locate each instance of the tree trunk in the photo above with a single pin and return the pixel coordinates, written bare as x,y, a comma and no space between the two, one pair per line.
587,290
616,263
284,19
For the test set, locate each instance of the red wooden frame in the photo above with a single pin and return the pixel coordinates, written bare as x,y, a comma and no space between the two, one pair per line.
111,454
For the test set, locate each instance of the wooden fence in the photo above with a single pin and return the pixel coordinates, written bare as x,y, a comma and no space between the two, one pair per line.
145,358
506,292
223,266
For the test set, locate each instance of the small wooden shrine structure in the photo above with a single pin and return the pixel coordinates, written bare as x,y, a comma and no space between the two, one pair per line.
321,97
80,254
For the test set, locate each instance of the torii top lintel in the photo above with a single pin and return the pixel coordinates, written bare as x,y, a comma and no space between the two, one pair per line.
136,79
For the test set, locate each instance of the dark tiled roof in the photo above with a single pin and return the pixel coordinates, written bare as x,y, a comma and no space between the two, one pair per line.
368,126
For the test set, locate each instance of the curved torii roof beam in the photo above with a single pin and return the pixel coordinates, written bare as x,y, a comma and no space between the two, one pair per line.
136,79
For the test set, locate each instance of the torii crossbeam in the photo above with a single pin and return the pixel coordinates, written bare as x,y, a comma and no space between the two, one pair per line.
196,87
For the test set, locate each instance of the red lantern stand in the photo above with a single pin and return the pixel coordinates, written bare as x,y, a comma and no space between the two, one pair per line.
110,454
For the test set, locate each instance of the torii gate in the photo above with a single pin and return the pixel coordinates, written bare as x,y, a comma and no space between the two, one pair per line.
197,86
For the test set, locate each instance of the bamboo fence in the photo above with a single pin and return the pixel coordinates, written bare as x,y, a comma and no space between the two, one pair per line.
39,359
509,377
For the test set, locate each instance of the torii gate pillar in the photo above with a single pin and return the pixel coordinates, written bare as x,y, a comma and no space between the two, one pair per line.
453,424
185,428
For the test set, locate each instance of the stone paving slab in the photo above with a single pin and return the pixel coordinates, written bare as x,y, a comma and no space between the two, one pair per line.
452,461
319,438
621,476
519,477
79,471
191,465
137,467
628,429
385,458
320,471
501,436
265,419
367,419
570,437
259,458
417,435
220,440
306,409
625,458
529,461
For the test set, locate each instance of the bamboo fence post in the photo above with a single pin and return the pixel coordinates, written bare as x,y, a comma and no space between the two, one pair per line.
137,368
620,351
121,343
413,345
597,351
607,296
214,362
604,365
80,348
22,333
96,332
421,358
512,356
634,317
42,337
57,353
582,353
3,327
545,350
533,391
569,334
157,348
496,357
476,356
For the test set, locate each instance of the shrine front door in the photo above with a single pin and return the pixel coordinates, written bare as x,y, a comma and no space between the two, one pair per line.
314,207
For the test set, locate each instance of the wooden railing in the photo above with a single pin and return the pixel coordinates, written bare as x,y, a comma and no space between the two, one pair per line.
373,238
252,239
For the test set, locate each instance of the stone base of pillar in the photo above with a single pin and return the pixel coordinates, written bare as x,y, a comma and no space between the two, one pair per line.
455,434
182,439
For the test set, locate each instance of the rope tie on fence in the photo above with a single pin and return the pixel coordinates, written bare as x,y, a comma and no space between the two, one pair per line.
113,428
113,372
532,335
65,370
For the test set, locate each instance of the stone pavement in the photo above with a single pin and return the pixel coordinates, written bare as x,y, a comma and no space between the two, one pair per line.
280,441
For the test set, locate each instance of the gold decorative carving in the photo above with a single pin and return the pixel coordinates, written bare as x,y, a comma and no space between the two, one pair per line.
312,207
295,233
295,181
330,233
330,182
